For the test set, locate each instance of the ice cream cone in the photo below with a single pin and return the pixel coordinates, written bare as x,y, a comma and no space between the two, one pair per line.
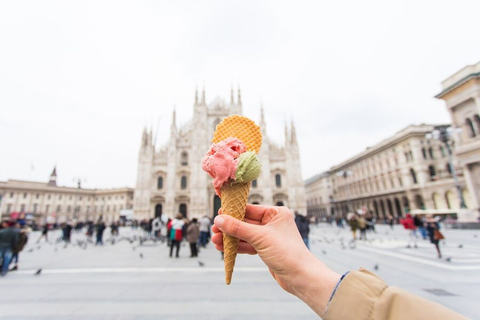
234,202
234,196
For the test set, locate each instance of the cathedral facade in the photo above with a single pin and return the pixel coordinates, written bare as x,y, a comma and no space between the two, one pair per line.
170,179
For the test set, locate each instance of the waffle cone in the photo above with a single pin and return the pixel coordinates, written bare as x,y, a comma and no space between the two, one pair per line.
241,128
234,203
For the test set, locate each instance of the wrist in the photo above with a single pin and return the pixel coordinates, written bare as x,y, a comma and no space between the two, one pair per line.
315,284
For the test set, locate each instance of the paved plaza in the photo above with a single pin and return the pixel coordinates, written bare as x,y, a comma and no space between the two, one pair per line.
126,280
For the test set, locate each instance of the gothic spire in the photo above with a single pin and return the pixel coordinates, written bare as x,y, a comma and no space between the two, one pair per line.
196,95
239,97
174,120
232,100
203,96
293,135
286,133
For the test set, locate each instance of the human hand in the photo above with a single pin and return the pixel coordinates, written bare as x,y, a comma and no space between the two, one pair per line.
271,233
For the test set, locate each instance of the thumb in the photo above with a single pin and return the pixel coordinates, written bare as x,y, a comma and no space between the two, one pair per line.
234,227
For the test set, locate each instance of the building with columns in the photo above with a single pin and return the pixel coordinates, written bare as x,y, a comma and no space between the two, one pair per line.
40,201
170,179
461,93
404,172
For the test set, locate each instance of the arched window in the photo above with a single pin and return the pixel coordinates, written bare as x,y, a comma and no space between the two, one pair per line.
419,202
477,122
279,203
424,153
184,158
442,151
430,152
254,183
449,169
59,209
432,172
414,176
470,128
160,183
69,208
278,180
183,182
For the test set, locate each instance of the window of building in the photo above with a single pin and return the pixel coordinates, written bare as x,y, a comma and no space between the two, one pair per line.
278,180
424,153
449,169
59,197
9,208
477,122
442,151
470,128
254,183
22,208
184,158
432,172
414,176
430,152
159,183
88,209
183,182
24,195
400,182
11,194
47,209
69,208
108,208
59,209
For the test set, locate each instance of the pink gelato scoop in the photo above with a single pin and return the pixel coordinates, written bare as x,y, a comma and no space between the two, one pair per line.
221,161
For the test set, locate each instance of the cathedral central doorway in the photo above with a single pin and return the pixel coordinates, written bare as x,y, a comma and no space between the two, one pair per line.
183,210
217,203
158,210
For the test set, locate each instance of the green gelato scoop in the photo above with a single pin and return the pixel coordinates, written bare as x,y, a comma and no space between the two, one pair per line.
248,168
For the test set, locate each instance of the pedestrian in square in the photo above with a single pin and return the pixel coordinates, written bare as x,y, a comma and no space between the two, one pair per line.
193,233
9,237
176,234
409,225
433,229
100,229
204,230
23,232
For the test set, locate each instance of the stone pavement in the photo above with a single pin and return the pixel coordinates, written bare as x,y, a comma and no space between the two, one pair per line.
131,281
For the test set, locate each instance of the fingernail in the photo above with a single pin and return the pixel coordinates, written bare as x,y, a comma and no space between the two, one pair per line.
219,221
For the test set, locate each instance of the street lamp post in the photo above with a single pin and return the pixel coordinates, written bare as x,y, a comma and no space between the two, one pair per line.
444,134
345,174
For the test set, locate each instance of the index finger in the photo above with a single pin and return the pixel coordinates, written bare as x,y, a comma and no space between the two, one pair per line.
257,212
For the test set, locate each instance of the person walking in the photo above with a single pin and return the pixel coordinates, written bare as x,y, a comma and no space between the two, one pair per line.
156,227
44,233
303,227
9,237
100,229
23,233
193,232
370,222
354,226
419,224
362,225
433,229
409,225
204,231
176,234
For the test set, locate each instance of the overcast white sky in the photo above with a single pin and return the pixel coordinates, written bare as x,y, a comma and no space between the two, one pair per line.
79,80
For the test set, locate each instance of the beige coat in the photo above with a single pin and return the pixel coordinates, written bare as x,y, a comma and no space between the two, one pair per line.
363,296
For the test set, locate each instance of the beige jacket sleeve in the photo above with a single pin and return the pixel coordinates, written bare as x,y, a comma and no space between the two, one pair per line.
361,295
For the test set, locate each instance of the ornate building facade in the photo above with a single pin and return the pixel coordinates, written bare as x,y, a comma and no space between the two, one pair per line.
40,201
461,93
404,172
170,179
